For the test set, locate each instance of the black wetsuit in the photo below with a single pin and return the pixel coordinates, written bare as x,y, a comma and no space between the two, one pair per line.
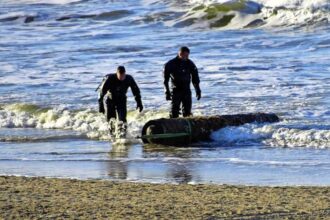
181,72
116,90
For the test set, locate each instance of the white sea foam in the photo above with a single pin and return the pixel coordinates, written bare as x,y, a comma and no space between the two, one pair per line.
301,138
93,125
87,122
274,135
305,4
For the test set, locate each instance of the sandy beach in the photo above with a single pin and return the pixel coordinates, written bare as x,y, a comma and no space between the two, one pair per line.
40,198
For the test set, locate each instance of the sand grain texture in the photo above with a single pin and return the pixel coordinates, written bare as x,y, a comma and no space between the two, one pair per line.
40,198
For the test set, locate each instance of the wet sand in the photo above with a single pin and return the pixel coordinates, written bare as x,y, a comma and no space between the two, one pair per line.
40,198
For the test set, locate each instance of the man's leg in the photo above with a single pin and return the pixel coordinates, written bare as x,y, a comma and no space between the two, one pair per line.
111,110
111,116
121,109
186,104
175,105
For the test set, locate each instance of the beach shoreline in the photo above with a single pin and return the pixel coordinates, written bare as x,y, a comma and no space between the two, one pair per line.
39,198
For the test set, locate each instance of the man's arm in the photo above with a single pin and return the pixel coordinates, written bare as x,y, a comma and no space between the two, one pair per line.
137,94
166,75
103,90
195,80
104,87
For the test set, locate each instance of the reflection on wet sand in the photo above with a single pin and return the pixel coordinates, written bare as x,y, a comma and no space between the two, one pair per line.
180,173
123,164
116,168
119,151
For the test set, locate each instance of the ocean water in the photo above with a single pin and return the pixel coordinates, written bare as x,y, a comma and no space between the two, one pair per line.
253,56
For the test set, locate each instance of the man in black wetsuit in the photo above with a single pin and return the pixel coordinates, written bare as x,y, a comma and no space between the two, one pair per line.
181,70
114,87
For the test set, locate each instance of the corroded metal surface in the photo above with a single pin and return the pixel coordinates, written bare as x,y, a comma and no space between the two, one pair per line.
182,131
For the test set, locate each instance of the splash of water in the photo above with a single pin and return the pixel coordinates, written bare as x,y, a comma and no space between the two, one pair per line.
87,122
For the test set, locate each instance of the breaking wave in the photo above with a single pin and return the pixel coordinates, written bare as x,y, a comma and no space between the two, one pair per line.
235,14
90,124
87,122
198,14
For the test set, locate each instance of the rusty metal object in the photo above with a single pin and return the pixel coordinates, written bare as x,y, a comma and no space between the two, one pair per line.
183,131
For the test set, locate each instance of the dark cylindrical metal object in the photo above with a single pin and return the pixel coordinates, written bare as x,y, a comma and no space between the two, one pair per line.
182,131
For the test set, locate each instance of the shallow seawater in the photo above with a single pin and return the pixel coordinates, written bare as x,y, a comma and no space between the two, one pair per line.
252,165
53,55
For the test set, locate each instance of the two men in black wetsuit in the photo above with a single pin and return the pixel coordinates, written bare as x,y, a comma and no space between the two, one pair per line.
181,71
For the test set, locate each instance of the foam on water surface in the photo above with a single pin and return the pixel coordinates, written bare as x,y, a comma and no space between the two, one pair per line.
276,136
307,4
87,122
92,125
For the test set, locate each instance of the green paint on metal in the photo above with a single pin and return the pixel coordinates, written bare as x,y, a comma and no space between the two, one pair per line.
165,136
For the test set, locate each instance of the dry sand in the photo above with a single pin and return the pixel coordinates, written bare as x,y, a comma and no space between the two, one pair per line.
41,198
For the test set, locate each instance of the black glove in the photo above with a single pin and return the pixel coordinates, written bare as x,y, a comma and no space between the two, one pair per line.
139,105
101,107
168,96
198,94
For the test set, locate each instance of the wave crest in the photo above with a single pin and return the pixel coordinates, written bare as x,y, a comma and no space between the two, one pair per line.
236,14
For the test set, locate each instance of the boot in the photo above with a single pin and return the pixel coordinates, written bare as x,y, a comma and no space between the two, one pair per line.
112,128
121,130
